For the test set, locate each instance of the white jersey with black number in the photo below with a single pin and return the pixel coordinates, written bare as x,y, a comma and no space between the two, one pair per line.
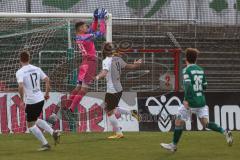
113,65
30,76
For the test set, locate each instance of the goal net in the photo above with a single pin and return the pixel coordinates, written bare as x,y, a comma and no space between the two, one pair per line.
50,39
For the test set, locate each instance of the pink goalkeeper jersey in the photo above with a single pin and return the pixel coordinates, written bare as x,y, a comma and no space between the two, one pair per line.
85,42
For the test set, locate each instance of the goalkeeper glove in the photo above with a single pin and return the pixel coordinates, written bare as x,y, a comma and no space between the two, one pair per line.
95,14
103,14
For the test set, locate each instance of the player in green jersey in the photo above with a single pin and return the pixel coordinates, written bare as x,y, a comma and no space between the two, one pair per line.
195,83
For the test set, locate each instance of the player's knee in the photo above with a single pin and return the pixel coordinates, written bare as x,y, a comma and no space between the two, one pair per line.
179,118
31,124
179,122
205,125
111,112
204,122
78,88
82,92
84,89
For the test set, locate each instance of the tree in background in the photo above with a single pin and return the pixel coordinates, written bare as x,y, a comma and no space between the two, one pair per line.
61,4
139,5
218,5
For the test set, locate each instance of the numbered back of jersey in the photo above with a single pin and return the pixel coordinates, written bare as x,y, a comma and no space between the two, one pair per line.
33,81
31,77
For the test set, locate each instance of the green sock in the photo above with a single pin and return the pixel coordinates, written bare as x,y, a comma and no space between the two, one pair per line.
213,126
177,134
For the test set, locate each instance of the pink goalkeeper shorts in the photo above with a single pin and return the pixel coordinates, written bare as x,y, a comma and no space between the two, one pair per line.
87,71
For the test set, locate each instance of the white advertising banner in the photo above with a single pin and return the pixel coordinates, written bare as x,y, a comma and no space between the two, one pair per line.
92,117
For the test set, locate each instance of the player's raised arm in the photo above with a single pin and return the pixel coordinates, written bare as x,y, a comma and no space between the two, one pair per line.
94,25
102,15
88,34
102,18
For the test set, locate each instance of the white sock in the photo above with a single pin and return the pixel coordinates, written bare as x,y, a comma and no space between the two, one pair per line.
38,134
44,125
123,111
114,122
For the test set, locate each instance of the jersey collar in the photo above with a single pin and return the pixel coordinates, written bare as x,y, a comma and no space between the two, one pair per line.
190,65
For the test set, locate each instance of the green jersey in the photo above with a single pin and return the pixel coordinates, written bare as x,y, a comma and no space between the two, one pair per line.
195,83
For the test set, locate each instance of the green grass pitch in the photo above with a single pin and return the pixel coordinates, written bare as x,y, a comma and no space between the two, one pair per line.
135,146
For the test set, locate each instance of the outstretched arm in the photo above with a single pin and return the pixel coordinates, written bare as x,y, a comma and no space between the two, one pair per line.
102,31
102,18
93,35
94,25
102,26
135,65
89,36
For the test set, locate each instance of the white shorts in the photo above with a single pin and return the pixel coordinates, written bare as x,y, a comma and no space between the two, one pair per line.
186,114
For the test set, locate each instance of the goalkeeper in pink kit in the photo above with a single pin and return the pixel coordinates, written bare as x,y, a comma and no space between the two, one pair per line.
85,41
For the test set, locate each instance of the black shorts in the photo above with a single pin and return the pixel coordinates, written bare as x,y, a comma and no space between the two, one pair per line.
33,111
112,100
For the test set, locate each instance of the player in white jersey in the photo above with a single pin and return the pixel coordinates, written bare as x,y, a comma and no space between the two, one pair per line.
28,78
111,69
